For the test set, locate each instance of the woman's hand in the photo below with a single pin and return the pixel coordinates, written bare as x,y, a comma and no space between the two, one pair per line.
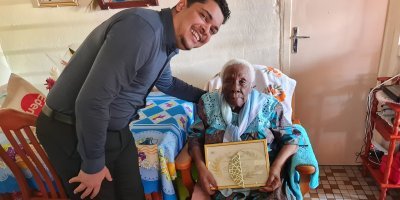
274,180
206,180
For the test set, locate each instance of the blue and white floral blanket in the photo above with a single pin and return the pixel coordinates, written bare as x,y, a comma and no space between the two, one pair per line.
160,134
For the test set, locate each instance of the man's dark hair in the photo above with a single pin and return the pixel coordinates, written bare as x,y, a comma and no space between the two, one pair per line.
223,5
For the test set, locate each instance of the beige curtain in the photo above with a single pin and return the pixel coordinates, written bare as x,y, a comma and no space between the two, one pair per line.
390,56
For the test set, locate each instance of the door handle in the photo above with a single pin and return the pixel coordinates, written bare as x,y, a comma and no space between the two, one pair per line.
295,38
299,37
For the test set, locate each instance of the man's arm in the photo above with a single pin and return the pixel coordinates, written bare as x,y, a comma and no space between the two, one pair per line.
125,49
175,87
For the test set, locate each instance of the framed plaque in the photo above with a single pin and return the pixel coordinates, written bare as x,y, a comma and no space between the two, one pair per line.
238,164
111,4
56,3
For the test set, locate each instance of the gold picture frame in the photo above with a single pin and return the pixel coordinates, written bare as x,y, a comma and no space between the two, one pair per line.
117,4
56,3
238,164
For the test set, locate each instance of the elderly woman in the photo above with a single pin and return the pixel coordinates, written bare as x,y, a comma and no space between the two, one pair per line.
238,113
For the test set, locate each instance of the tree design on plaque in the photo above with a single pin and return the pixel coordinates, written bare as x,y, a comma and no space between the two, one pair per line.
243,164
235,170
215,167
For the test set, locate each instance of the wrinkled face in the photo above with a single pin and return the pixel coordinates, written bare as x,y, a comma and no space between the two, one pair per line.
236,86
195,25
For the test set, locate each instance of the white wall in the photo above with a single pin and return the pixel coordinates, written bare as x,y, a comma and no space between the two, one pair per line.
4,69
35,39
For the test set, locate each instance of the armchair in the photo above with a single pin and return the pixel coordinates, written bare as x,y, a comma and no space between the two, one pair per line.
304,166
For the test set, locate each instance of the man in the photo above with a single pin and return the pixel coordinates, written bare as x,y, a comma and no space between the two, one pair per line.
84,124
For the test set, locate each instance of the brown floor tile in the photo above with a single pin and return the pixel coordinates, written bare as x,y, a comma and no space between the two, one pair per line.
334,187
314,195
338,170
353,178
347,182
357,187
328,191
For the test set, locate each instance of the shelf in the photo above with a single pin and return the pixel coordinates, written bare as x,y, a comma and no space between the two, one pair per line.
394,106
389,133
385,129
377,175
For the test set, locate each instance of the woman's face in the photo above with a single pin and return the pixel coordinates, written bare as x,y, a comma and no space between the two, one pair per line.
236,86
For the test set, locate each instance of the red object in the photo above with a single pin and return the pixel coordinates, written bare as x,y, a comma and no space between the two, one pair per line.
49,83
32,103
394,176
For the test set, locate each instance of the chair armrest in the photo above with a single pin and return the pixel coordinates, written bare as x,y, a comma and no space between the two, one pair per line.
305,169
183,163
296,121
305,174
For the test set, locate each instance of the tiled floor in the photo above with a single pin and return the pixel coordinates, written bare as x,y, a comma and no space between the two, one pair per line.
347,182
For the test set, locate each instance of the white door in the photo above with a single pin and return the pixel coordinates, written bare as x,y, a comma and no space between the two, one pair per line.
334,70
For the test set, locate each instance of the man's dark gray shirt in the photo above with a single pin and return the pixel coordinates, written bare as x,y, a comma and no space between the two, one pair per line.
112,72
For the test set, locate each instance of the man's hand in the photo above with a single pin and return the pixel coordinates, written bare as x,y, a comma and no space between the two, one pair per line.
274,180
90,183
207,180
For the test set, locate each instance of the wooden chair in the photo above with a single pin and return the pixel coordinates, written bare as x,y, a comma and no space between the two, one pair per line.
17,126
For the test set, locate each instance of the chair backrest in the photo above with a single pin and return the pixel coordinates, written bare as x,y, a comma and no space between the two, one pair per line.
268,80
17,127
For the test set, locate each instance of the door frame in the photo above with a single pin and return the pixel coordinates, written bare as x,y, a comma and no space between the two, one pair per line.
285,43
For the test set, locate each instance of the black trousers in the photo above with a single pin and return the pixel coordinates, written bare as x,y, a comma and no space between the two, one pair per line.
60,143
